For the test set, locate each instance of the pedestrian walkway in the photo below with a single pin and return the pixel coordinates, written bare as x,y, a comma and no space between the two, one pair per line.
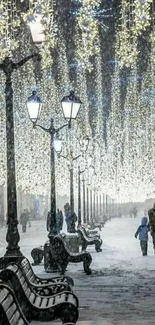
121,289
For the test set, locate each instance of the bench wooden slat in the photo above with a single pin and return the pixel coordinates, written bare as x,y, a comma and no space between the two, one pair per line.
28,292
25,286
7,302
44,302
15,318
3,294
32,297
37,301
10,309
21,322
51,301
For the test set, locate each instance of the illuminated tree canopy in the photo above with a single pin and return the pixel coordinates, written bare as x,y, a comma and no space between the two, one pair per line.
105,50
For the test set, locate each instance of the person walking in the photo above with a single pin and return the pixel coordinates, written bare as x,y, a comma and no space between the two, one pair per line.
142,231
24,219
134,212
67,212
151,214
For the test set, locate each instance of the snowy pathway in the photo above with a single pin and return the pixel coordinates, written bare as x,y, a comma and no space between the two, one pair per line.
121,289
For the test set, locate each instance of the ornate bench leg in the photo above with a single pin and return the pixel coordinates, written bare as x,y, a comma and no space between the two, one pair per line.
63,267
98,247
84,245
86,264
69,316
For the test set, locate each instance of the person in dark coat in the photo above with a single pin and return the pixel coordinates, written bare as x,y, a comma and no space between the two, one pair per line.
72,222
67,212
134,212
24,219
142,231
151,214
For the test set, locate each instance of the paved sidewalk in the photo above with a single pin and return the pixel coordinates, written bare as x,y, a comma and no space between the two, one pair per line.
121,288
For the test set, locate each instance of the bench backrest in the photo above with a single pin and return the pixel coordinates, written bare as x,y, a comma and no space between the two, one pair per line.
26,266
10,312
14,270
82,233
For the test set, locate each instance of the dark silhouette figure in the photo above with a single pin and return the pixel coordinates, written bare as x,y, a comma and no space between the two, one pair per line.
24,219
151,214
67,212
72,222
134,212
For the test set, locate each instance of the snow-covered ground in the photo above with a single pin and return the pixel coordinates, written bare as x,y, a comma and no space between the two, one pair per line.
121,289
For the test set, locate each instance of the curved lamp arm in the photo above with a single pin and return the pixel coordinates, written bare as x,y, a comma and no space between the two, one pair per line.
42,127
23,61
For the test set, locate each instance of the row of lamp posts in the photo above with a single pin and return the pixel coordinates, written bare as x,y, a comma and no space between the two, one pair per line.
94,205
70,106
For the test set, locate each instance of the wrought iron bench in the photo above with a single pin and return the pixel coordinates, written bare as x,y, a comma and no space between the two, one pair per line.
10,311
44,289
64,256
37,254
27,268
86,240
62,306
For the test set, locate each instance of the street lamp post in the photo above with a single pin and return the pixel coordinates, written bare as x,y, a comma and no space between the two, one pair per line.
103,205
70,106
100,205
97,207
84,202
91,207
79,196
94,206
71,160
106,204
87,216
71,188
13,252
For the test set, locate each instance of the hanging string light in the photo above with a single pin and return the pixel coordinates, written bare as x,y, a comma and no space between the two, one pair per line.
87,27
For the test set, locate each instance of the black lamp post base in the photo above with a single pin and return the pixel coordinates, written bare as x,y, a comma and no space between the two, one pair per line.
50,265
8,259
